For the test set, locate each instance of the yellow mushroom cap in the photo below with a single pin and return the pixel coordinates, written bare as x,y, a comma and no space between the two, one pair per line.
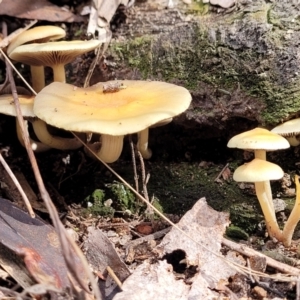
39,34
136,106
258,170
7,106
290,130
258,138
49,54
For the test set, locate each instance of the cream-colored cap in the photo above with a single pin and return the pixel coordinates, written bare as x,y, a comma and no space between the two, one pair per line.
132,108
290,130
7,106
39,34
49,54
258,170
258,138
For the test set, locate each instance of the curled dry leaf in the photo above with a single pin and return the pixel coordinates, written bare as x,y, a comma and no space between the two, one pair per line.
101,254
37,10
36,242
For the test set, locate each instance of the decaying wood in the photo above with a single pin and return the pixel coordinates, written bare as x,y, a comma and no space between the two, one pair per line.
239,63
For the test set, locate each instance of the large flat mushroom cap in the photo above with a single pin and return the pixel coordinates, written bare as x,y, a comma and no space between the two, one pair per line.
258,170
49,54
258,138
7,106
134,107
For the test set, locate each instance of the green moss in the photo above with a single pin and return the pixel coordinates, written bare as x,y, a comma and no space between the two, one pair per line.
236,233
192,57
95,204
122,197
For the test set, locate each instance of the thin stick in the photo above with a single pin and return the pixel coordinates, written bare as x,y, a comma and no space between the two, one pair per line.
144,178
220,174
114,277
100,51
136,177
18,186
270,261
19,74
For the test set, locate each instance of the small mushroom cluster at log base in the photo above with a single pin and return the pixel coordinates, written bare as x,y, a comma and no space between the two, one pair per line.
36,48
259,171
112,109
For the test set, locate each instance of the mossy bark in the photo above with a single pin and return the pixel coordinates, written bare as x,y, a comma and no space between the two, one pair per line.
242,62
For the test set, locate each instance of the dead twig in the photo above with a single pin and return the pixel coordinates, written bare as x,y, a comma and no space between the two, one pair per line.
114,277
217,179
270,261
18,186
136,177
145,179
153,236
100,51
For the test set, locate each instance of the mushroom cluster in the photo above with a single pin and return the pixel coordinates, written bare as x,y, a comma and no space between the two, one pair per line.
111,109
260,172
38,47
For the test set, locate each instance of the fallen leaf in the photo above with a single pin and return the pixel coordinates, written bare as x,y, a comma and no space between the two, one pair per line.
158,281
36,242
38,10
100,254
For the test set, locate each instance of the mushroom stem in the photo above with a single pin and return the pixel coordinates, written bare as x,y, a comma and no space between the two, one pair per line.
267,187
111,147
293,219
37,77
261,154
56,142
271,222
293,140
36,146
59,73
142,144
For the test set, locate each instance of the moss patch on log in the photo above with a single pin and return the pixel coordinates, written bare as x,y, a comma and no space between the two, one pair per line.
245,51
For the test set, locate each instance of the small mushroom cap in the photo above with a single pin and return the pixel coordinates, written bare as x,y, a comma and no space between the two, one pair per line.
7,106
49,54
258,138
136,106
258,170
289,128
39,34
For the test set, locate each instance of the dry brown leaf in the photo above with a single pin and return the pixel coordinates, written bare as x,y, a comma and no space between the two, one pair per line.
36,242
100,254
38,10
226,174
157,281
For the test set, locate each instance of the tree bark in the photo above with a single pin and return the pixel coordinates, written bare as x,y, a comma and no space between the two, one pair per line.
239,63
